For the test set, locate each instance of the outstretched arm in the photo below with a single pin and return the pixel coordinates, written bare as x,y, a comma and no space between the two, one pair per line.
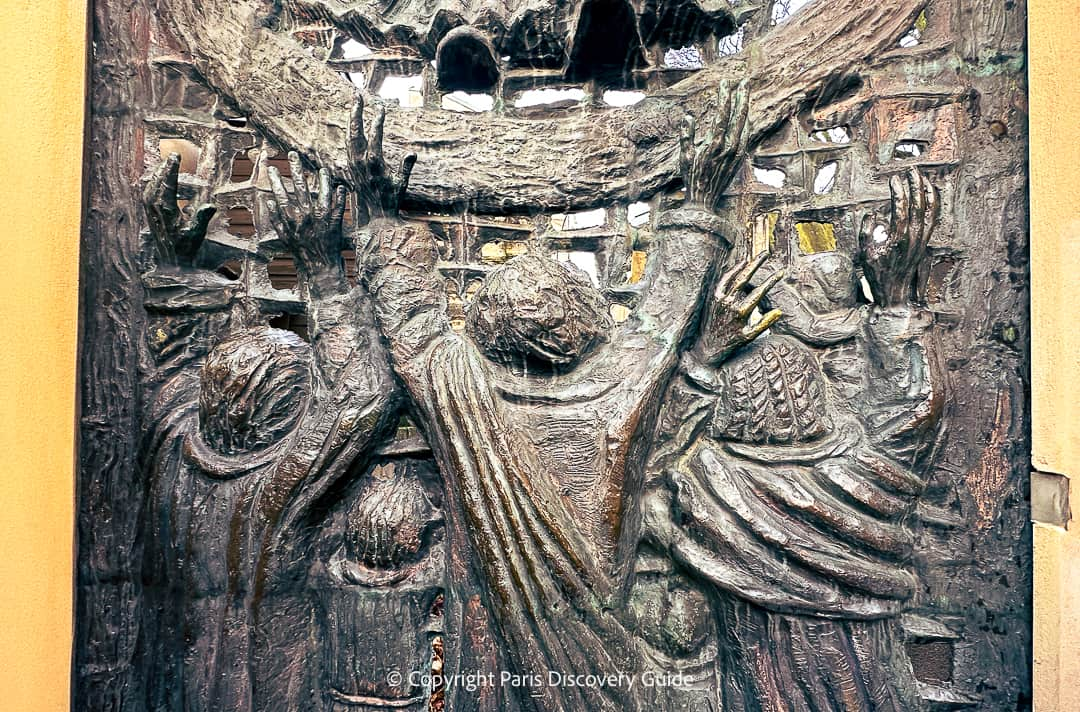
906,386
310,226
187,306
356,399
396,260
408,296
312,229
692,246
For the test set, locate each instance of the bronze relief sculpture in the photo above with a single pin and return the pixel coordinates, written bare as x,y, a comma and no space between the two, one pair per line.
652,391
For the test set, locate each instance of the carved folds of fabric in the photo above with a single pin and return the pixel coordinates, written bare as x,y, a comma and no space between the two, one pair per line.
785,502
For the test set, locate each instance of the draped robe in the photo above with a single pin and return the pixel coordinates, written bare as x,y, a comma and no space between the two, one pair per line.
542,538
225,534
795,506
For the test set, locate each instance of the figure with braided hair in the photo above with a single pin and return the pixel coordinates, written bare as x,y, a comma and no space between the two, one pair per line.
789,492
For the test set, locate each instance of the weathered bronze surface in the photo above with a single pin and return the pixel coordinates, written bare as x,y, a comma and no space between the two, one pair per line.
608,355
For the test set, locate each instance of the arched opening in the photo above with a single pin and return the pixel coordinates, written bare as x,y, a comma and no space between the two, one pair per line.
465,61
606,42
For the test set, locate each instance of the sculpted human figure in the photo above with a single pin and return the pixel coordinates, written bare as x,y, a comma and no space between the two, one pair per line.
536,416
378,578
664,496
251,428
636,488
792,500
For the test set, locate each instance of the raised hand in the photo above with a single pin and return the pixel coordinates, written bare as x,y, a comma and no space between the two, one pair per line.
378,194
725,326
891,262
176,238
708,171
311,230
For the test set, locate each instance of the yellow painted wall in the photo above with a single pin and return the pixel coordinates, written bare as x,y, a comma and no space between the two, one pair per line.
1054,80
43,51
41,101
1055,232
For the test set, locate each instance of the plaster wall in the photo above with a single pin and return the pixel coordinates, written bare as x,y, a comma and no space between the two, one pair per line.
1054,83
43,51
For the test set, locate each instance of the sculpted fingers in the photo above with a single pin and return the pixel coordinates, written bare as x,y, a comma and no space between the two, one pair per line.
932,211
337,208
190,239
300,186
866,233
175,239
323,205
747,271
686,153
171,181
277,186
378,192
407,164
901,200
916,209
200,221
750,303
156,191
277,220
160,195
752,332
916,194
357,137
375,145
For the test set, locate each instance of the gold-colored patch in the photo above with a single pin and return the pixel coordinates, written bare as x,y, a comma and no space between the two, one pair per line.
499,251
638,259
763,232
816,237
619,313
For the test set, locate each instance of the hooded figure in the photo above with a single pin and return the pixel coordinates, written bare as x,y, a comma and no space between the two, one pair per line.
536,418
